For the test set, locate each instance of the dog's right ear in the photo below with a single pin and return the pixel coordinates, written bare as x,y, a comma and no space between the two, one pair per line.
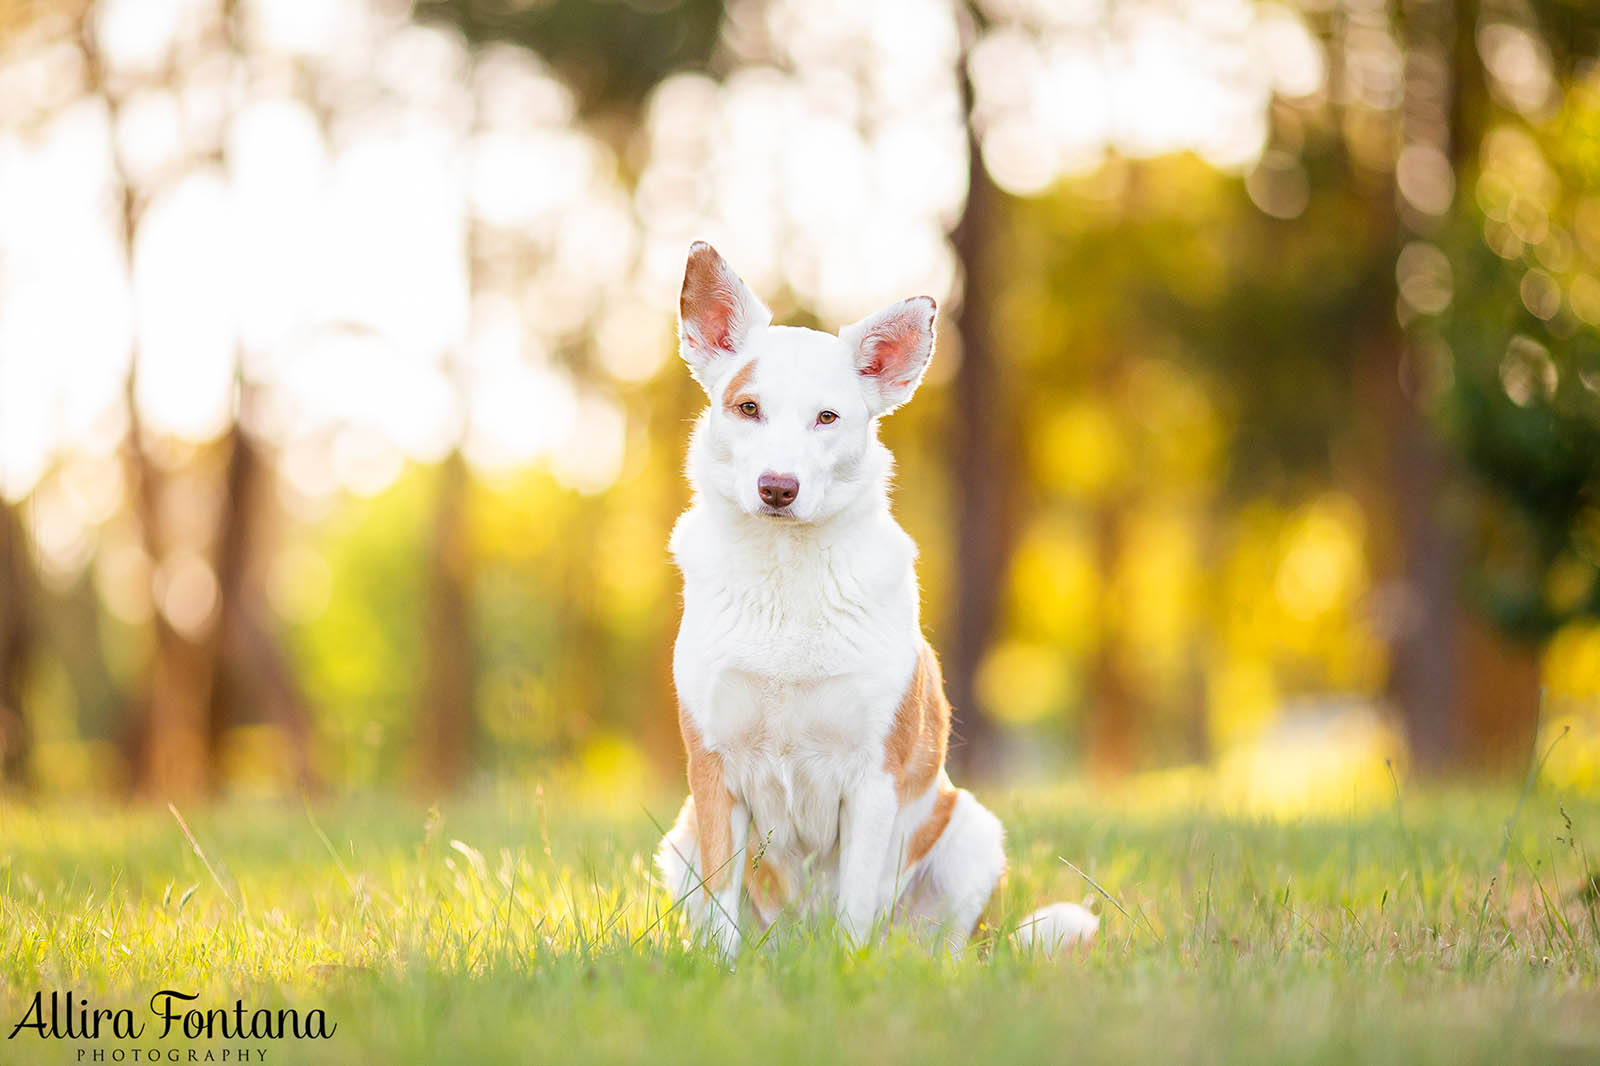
716,313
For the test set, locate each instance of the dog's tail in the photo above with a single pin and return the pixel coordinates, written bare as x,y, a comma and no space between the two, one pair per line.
1057,927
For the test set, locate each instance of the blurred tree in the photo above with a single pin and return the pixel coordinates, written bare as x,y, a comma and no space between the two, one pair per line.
1524,430
253,679
1403,155
447,714
17,641
207,674
166,737
1522,404
1183,353
613,52
17,597
982,437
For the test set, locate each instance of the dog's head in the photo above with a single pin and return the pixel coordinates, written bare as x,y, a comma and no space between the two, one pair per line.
791,432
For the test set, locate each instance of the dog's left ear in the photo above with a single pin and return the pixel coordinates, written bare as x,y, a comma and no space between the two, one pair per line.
892,348
716,313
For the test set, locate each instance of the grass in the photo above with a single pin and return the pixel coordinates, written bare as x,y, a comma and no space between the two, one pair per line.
503,928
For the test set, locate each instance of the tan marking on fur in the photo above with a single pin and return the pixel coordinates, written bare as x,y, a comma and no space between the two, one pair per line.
734,393
713,806
915,748
928,833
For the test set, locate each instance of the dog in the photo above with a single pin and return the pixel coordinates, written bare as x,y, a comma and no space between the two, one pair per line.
811,707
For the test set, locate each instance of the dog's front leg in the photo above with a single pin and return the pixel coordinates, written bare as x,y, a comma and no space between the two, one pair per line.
723,921
722,829
866,823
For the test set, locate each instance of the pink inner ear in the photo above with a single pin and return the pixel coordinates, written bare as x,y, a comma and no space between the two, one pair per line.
707,302
892,348
714,324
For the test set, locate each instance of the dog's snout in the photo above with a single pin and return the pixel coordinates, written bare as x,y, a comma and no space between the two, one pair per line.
778,490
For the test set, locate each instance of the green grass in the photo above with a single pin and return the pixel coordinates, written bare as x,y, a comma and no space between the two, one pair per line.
1369,937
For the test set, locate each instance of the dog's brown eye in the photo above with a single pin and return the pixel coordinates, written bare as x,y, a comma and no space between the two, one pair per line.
749,409
826,418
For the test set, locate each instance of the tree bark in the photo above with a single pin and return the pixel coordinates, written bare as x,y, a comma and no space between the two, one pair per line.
17,640
1425,653
978,457
1500,701
166,740
170,749
447,724
1112,734
254,679
1469,694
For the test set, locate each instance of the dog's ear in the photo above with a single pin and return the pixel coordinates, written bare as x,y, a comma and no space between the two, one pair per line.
892,348
716,312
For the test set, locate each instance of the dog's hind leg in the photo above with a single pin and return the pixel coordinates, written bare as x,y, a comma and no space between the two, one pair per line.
678,856
952,884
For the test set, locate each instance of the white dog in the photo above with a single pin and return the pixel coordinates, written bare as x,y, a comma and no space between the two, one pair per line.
811,706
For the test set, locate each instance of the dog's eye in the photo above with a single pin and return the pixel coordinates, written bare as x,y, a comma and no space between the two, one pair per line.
749,409
827,418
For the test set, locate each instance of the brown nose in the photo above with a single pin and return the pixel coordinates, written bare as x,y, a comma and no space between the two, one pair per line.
778,490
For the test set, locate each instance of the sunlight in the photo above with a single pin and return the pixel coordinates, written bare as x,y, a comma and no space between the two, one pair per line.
294,244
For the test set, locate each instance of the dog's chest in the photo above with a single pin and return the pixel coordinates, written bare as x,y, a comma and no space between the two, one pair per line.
791,664
788,611
790,758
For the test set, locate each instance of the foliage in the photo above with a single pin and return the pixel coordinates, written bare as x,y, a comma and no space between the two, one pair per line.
612,51
1523,331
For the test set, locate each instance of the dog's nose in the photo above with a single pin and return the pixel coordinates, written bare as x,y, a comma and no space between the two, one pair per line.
778,490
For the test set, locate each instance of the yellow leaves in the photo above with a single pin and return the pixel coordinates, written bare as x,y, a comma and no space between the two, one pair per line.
1183,444
612,771
1274,610
1157,427
1571,727
1571,667
1242,693
1055,586
1322,568
1023,681
1155,591
1081,450
631,568
1584,298
1293,596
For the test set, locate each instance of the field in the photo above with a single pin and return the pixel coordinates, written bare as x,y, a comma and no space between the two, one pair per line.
1451,927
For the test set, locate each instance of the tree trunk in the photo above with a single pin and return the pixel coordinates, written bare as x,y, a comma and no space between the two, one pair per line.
17,639
1426,654
1469,695
170,740
979,459
254,680
1116,715
446,719
1501,700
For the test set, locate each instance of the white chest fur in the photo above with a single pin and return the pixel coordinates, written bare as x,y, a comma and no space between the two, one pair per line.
794,651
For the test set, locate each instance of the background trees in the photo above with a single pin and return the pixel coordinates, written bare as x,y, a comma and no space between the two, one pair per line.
1265,403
